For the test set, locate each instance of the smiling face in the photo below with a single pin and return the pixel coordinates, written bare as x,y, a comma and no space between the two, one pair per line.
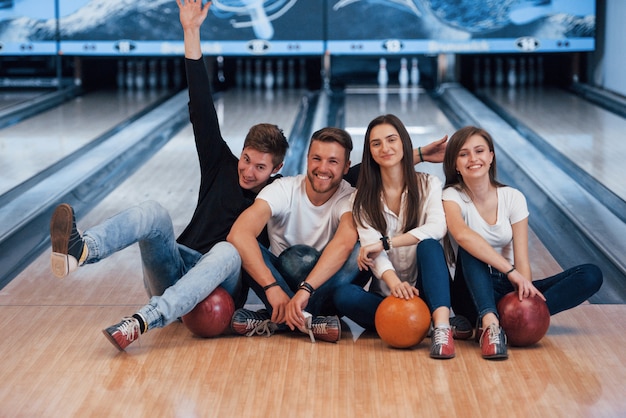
255,168
385,145
326,166
474,159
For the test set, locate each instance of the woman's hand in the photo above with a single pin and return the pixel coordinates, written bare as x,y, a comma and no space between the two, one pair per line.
404,290
367,254
525,288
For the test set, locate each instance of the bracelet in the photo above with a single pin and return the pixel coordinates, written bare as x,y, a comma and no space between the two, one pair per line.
419,150
510,271
386,243
307,287
265,288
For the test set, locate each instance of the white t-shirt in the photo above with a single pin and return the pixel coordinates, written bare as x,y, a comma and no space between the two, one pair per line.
403,260
512,208
295,220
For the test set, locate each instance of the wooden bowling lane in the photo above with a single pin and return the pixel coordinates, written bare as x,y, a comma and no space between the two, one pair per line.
588,135
40,141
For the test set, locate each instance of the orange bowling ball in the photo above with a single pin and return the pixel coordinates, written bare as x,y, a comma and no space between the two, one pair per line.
402,323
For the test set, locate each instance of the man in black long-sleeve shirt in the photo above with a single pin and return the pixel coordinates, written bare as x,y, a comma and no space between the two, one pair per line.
180,273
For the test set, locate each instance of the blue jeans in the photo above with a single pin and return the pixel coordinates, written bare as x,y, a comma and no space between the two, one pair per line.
320,301
486,286
176,277
433,283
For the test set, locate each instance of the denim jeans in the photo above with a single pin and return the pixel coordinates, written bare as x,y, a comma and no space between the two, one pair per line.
176,277
486,286
433,283
320,303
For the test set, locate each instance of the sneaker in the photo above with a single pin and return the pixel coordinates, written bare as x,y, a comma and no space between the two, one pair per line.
325,328
493,343
461,327
124,333
442,344
68,247
249,323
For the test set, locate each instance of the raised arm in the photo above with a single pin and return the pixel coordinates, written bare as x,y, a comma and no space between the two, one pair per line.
192,15
243,235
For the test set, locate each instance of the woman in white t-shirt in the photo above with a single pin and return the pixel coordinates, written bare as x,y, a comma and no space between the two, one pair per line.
488,224
400,220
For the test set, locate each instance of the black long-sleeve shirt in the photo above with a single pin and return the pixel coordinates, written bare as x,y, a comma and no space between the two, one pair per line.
220,198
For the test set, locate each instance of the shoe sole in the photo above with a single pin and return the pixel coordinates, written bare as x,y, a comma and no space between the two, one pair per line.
496,357
442,357
60,231
112,340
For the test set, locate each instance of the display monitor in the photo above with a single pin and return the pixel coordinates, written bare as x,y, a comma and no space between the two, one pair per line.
28,27
151,27
377,27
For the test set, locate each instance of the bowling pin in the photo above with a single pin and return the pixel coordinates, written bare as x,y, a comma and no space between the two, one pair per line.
403,75
511,78
120,74
130,74
499,76
269,75
415,73
280,74
220,70
140,77
152,74
258,73
248,77
383,75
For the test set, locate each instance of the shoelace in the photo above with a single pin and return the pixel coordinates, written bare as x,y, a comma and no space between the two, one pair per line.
441,336
494,334
258,327
130,329
308,327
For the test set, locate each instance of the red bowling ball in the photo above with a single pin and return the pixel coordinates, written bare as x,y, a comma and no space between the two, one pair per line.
525,322
212,316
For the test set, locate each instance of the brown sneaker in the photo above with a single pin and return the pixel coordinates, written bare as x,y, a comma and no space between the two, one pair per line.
68,246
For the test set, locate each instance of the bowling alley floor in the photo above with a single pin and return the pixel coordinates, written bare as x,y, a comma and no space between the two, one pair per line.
57,363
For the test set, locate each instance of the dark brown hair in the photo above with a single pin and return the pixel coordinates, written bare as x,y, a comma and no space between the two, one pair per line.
267,138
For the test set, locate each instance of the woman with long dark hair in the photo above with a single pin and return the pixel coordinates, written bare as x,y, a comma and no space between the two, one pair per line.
400,221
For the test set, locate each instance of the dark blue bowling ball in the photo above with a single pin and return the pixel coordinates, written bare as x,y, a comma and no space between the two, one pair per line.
296,262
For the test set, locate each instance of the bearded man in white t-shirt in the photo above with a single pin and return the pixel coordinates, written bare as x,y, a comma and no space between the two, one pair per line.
311,209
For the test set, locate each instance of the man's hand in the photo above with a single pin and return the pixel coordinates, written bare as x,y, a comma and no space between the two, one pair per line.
279,300
433,152
294,316
192,13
